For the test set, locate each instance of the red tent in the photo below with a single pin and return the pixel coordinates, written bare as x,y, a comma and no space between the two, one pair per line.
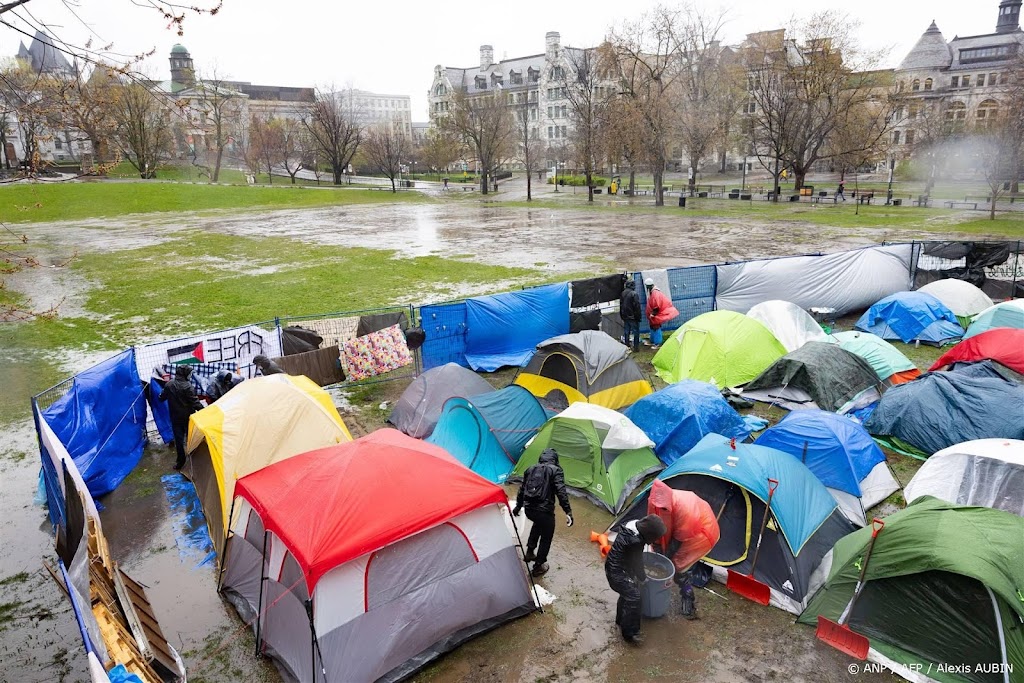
334,504
1003,345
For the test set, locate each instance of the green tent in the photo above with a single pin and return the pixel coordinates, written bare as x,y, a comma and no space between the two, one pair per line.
721,346
945,584
604,455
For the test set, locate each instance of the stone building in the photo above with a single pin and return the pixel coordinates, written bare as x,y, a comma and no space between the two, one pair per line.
959,82
374,109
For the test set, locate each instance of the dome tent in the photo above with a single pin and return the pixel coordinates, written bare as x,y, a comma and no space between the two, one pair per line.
886,360
1003,345
587,366
840,453
721,346
418,408
368,560
959,296
681,414
603,454
817,375
1008,314
943,585
986,472
804,524
910,316
790,324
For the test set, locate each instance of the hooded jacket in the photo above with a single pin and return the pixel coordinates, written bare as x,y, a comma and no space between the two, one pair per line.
548,461
221,384
626,558
629,303
659,308
267,366
691,523
180,395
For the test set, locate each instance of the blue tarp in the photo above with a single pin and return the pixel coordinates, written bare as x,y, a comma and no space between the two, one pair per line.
944,408
191,533
681,414
800,505
102,422
445,328
488,433
911,315
160,410
839,451
504,329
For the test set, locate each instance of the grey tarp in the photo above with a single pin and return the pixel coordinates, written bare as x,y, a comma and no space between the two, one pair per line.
417,410
830,376
597,350
941,409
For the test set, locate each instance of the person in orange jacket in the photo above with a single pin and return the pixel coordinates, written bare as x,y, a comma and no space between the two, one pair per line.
692,533
659,310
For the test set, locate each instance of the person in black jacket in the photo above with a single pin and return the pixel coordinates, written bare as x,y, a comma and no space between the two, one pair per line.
541,483
267,366
222,383
182,401
624,569
629,311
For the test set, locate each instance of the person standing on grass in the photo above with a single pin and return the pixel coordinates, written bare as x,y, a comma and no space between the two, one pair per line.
659,311
624,570
541,483
182,401
629,311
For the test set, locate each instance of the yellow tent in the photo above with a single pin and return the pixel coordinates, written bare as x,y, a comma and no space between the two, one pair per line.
261,421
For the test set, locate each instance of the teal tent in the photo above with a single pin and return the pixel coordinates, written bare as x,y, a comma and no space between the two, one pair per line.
488,433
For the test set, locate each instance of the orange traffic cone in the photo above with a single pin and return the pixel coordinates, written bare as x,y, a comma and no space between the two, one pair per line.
602,541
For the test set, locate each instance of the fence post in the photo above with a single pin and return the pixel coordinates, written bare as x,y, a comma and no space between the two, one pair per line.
280,334
417,354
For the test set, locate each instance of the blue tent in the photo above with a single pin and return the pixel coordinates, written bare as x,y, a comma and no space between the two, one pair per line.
911,315
1005,314
681,414
840,453
102,422
488,433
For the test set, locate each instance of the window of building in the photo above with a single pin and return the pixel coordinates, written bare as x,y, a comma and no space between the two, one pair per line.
957,111
533,95
988,54
927,84
916,85
965,81
563,132
515,78
895,137
565,111
980,80
910,137
557,73
992,79
551,133
481,83
58,143
987,112
533,113
915,110
533,74
954,82
550,112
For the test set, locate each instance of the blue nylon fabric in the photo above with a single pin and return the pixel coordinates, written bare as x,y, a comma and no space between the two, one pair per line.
191,533
445,328
680,415
840,452
801,503
488,433
160,411
504,329
102,422
911,315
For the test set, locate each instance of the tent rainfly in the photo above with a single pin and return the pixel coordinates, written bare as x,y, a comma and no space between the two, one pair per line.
588,367
418,408
986,472
943,585
723,347
603,454
886,360
1008,314
840,453
1005,346
909,316
804,524
261,421
367,560
791,325
959,296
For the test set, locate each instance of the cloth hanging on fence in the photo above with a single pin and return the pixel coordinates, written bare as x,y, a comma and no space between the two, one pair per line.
376,353
297,339
202,374
596,290
323,366
585,320
380,321
335,331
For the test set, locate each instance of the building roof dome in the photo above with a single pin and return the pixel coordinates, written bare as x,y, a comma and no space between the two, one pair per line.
179,49
930,52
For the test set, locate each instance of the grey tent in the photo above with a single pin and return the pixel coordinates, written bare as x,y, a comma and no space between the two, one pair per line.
417,410
817,375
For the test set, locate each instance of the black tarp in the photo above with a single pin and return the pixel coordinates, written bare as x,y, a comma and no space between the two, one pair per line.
977,257
831,375
296,339
585,320
380,321
597,290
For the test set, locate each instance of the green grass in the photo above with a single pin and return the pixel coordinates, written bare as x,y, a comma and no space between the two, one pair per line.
35,202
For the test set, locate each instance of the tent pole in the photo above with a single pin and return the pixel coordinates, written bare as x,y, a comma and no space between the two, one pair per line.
522,550
224,553
315,650
259,603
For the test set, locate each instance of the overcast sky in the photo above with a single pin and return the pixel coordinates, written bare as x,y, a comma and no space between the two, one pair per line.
392,46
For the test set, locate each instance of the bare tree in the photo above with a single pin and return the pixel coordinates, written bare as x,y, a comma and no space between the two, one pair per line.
440,150
1001,136
805,86
583,81
483,123
216,112
333,125
143,133
529,146
293,146
647,54
385,149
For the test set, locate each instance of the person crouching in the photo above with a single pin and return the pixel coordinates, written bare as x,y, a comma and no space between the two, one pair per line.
624,569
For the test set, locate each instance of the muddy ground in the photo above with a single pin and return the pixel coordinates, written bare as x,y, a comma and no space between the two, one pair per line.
574,640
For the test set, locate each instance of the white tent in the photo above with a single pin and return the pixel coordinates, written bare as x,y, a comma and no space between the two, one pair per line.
963,298
622,435
984,472
791,325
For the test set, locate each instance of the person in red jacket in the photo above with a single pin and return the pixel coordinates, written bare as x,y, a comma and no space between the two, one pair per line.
659,311
692,533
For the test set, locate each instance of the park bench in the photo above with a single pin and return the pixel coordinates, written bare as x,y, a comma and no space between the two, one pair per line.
821,197
922,200
468,188
954,204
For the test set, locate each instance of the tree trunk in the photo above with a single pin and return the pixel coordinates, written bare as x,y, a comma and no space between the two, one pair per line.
691,182
590,186
335,171
293,177
529,196
992,208
483,182
775,194
632,181
721,161
216,167
798,180
393,190
659,195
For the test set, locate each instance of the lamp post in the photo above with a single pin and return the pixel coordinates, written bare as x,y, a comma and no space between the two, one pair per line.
743,185
888,194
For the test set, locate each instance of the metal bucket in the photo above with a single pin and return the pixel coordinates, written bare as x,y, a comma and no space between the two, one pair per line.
656,593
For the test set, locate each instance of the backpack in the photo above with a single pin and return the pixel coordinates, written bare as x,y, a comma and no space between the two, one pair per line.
537,485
